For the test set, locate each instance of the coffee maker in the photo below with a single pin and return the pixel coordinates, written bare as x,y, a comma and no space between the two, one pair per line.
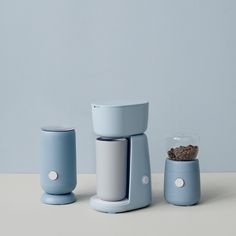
122,156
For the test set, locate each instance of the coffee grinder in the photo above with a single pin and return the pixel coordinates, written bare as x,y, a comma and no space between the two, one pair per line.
122,156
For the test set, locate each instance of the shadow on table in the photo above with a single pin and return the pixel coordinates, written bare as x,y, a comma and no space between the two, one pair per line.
80,197
158,198
216,193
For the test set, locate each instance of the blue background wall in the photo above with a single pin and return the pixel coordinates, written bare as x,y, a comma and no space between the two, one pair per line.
58,56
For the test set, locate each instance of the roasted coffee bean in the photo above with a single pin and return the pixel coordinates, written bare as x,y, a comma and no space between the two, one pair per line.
183,153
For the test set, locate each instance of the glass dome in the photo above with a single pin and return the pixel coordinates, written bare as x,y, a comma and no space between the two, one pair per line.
182,148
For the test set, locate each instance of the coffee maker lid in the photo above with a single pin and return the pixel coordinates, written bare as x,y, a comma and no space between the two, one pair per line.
56,129
120,118
119,103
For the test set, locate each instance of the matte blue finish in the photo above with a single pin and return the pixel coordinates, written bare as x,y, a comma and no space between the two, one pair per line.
139,194
59,155
61,199
120,119
189,171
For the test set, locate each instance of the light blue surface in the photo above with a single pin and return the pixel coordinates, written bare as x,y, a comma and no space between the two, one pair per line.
58,154
139,194
58,56
189,172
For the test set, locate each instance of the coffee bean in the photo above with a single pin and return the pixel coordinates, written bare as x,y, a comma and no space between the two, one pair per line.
183,153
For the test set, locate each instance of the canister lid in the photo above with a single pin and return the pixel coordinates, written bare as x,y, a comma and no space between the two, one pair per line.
119,103
56,129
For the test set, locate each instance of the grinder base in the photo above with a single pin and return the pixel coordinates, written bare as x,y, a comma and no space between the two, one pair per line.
58,199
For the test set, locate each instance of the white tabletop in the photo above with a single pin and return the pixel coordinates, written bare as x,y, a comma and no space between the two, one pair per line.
21,212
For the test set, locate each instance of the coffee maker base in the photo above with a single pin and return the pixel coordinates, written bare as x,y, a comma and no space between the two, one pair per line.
116,206
58,199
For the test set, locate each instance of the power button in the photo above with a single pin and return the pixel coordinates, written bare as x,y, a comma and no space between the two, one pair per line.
52,175
179,183
145,179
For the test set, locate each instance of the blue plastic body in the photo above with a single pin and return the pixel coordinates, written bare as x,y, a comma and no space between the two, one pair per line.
120,119
139,194
189,172
58,199
58,155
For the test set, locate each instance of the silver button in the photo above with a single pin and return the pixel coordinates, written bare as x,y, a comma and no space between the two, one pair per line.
52,175
179,183
145,179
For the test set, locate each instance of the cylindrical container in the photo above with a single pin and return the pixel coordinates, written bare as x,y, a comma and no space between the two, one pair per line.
182,173
58,165
111,168
182,182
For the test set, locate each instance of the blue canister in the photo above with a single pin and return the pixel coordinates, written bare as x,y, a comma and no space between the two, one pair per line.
182,182
58,165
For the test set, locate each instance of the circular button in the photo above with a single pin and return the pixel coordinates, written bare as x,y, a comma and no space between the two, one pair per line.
145,179
179,183
52,175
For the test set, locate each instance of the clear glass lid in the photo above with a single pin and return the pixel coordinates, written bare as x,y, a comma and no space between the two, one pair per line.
182,147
